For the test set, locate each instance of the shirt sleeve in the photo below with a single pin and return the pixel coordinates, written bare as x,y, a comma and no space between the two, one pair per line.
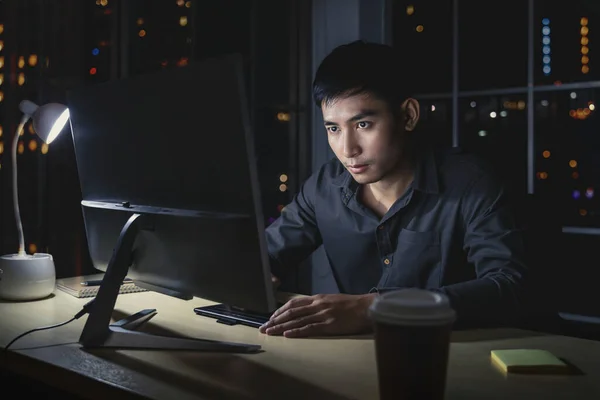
295,234
494,244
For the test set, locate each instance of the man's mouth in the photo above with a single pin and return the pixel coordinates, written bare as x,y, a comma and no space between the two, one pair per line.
357,168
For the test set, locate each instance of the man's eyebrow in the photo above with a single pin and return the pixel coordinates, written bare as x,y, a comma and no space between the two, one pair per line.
362,114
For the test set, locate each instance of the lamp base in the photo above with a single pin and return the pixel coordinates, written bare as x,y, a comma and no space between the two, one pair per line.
27,277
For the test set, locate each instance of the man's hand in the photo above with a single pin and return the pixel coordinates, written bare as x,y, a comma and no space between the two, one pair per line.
323,314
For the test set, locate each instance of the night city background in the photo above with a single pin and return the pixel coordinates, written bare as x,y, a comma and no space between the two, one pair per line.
515,81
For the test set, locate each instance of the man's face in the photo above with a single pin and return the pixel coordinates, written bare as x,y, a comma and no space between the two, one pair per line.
366,136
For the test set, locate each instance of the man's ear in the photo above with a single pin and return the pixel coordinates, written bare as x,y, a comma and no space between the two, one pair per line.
410,114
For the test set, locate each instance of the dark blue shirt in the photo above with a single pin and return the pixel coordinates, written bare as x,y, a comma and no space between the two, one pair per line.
453,231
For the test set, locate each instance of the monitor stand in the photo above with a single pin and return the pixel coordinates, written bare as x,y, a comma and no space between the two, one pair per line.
98,332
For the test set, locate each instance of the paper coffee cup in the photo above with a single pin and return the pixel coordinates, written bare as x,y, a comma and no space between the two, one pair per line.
412,336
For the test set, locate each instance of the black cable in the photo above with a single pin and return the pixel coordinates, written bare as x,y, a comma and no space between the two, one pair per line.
82,312
37,329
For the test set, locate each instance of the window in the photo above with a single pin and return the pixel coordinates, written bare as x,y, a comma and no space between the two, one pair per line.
518,84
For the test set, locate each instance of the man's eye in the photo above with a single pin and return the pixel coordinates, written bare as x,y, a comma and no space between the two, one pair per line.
364,124
332,129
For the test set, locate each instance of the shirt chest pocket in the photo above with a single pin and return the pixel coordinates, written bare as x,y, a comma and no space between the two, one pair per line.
417,260
427,238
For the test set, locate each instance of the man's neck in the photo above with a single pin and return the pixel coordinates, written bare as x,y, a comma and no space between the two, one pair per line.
381,195
394,186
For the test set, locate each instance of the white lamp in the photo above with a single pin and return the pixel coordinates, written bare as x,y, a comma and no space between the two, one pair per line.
24,276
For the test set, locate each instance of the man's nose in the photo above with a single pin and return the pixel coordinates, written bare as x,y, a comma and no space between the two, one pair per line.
351,147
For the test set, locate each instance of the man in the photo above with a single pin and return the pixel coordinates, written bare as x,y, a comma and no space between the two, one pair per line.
390,211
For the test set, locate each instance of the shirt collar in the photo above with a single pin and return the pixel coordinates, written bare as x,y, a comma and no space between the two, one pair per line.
343,179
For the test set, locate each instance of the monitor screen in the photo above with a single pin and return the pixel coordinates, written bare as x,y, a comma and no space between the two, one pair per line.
176,147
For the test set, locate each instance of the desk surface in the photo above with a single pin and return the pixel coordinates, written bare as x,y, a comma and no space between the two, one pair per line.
330,368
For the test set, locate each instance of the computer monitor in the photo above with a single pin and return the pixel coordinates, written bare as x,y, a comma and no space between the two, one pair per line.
170,193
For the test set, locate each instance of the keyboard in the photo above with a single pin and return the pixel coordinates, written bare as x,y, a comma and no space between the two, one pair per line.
229,315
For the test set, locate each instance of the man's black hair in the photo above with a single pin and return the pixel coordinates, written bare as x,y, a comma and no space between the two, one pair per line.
362,67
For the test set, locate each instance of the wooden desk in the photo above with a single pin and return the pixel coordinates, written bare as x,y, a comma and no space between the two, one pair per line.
332,368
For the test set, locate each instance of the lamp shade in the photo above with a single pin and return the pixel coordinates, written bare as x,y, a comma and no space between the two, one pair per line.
48,120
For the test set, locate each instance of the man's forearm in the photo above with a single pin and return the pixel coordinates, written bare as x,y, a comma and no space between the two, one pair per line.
492,299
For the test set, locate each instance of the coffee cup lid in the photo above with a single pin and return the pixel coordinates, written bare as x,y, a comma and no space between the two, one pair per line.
412,307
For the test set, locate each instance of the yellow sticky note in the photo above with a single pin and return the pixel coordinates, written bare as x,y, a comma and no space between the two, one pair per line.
528,361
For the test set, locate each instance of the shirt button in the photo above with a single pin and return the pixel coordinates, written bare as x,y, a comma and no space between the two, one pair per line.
386,261
380,227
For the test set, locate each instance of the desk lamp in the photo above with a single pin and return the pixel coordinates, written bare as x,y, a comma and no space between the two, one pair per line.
24,276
